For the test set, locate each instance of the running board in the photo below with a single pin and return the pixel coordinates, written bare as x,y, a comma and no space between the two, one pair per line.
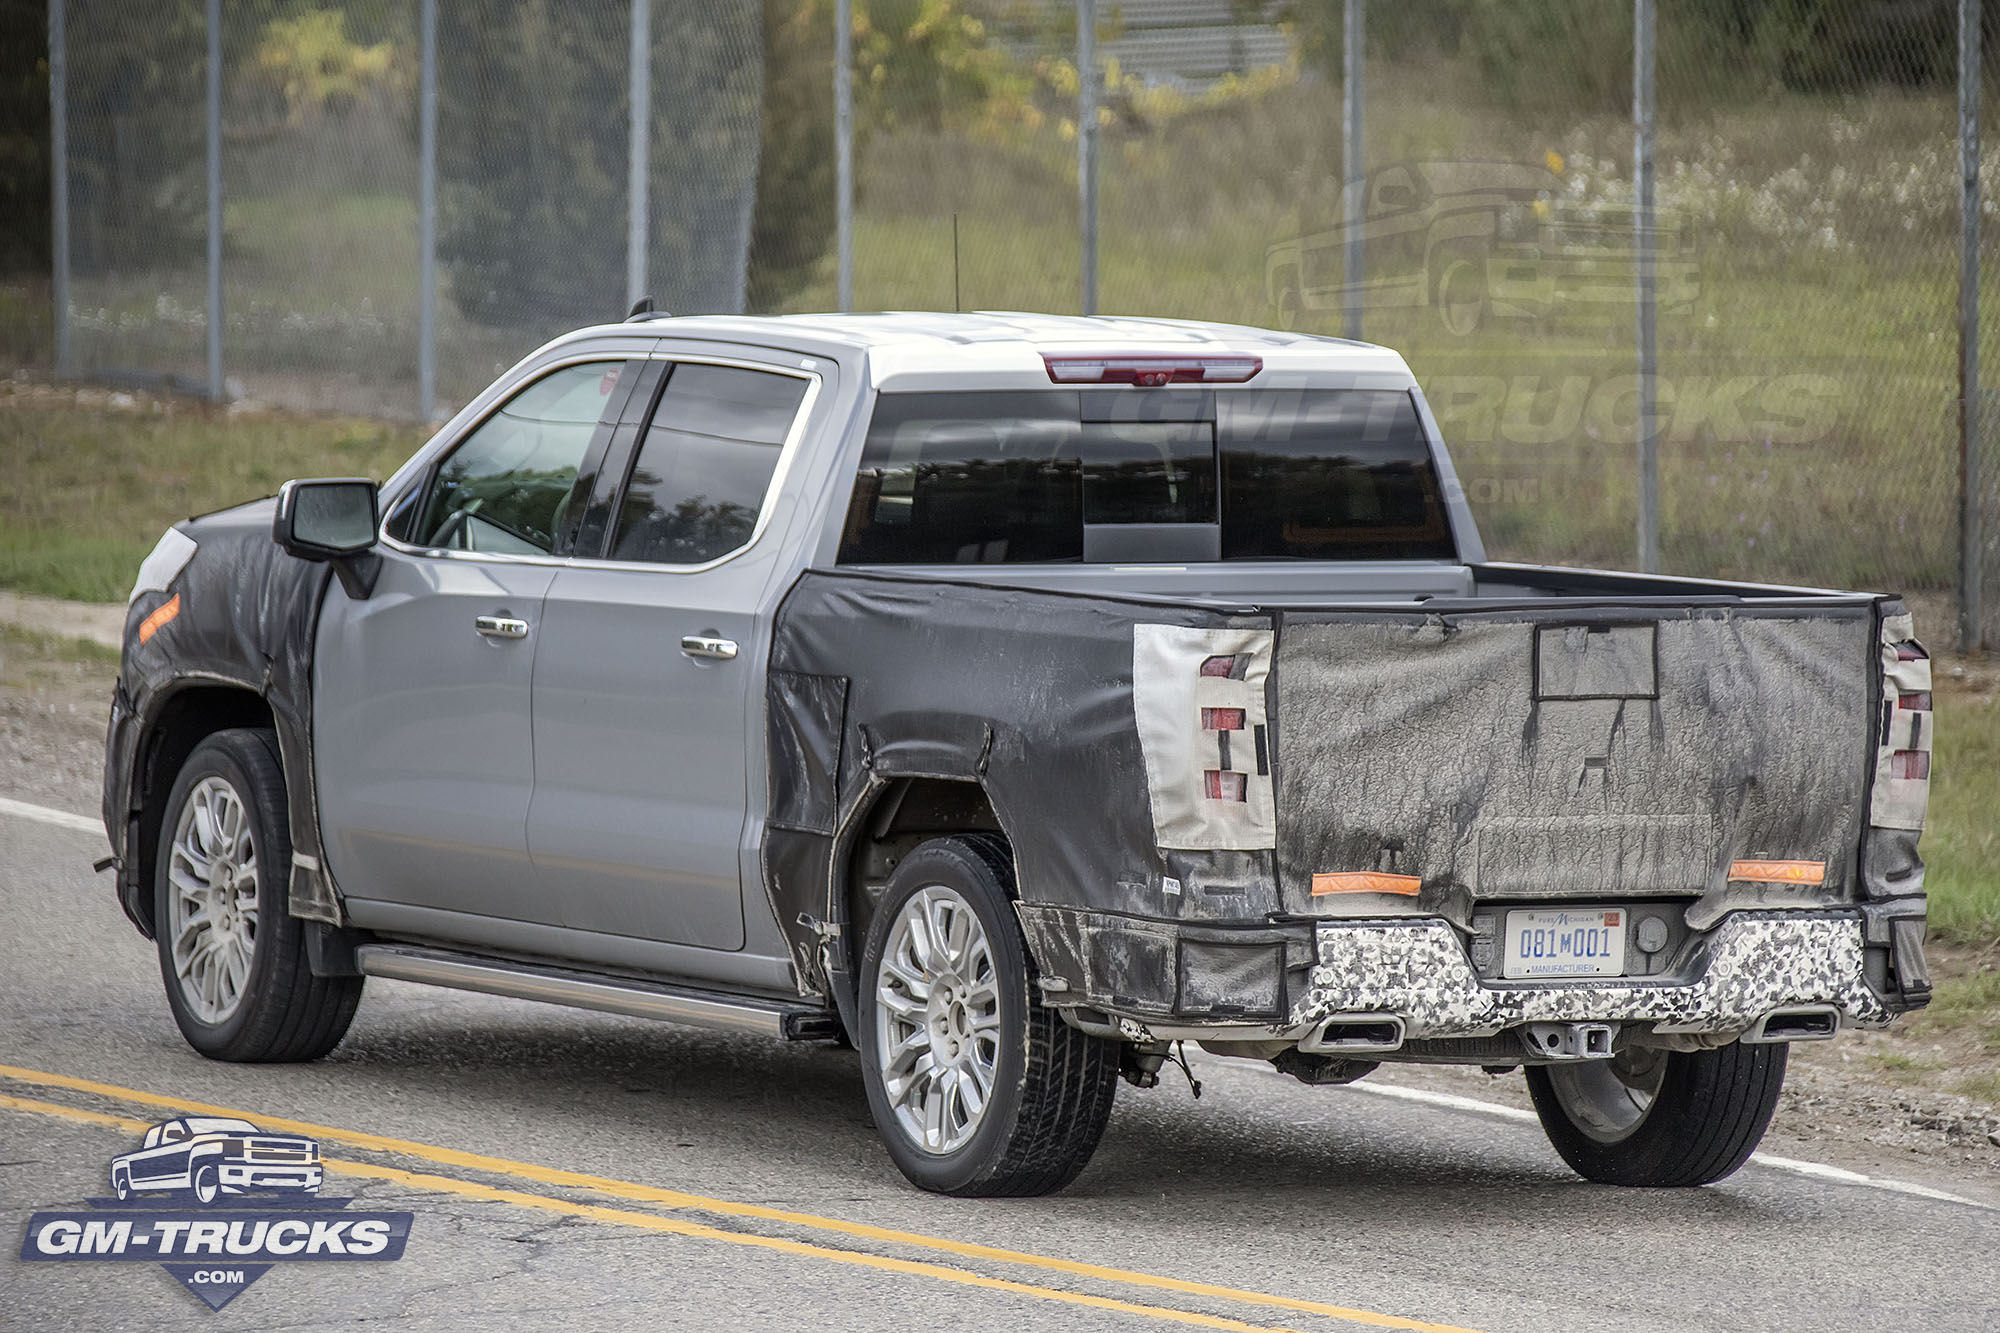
583,990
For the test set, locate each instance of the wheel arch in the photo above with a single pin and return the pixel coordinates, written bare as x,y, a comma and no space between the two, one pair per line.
181,721
900,815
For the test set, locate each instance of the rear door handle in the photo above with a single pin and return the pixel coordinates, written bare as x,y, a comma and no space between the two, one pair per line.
703,645
501,627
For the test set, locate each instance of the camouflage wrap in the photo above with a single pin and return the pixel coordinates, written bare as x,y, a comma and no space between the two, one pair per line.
1755,963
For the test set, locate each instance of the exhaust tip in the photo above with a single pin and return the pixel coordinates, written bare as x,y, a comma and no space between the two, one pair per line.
1808,1022
1356,1034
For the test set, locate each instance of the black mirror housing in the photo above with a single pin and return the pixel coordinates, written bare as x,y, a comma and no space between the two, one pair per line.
332,519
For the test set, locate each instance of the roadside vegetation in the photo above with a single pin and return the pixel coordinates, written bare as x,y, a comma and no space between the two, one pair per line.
94,476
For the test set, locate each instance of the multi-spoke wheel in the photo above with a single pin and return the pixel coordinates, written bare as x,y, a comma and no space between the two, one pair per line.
212,899
977,1088
1653,1117
937,1019
233,957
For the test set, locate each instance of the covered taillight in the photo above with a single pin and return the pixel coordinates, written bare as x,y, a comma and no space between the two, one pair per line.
1151,372
1903,747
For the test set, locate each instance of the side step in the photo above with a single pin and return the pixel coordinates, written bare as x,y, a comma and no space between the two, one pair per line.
583,990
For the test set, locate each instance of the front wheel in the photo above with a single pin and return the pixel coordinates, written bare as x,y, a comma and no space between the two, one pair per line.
1660,1118
231,953
977,1088
207,1185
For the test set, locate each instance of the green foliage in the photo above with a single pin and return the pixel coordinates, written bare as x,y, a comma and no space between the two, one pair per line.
793,224
24,138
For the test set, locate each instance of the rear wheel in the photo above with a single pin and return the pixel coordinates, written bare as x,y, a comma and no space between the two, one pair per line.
975,1086
232,955
1659,1118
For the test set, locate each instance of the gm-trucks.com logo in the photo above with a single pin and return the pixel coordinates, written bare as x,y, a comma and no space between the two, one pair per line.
217,1203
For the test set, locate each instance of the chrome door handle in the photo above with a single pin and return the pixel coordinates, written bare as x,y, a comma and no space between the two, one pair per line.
501,627
702,645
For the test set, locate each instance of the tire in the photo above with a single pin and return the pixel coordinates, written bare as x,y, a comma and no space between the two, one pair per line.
1049,1087
207,1185
272,1009
1707,1112
1460,292
121,1183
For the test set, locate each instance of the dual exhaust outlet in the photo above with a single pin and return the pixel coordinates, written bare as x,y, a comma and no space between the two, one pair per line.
1382,1034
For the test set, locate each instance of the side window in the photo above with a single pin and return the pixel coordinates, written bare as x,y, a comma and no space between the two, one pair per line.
701,472
969,478
506,488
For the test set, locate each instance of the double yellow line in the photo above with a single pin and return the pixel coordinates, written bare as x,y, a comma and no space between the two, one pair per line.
680,1200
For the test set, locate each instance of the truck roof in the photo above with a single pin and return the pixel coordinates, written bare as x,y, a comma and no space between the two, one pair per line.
915,345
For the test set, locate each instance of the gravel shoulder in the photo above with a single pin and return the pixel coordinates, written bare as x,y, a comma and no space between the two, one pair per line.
1921,1100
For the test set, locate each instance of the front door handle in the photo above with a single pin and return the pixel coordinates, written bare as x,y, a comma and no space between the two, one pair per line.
704,645
501,627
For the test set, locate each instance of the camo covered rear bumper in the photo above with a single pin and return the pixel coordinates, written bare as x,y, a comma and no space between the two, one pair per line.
1755,962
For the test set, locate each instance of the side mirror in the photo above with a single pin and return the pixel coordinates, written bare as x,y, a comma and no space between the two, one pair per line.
334,520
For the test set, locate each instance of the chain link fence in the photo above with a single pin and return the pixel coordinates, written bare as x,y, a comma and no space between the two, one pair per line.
1805,230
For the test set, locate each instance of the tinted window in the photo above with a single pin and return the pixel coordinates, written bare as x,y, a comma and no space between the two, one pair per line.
1327,474
1323,474
506,487
704,465
968,478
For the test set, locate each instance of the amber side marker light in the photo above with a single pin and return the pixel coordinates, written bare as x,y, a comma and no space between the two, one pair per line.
1779,872
166,611
1366,881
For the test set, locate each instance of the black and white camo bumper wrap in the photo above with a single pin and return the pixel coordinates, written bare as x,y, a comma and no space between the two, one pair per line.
1418,971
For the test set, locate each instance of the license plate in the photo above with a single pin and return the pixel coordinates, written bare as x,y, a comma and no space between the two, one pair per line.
1569,942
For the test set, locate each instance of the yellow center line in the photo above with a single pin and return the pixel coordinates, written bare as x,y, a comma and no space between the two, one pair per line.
674,1226
623,1189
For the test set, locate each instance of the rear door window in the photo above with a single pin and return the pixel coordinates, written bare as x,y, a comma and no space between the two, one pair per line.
703,468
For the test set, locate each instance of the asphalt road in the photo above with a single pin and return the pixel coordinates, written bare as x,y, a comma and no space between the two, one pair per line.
600,1172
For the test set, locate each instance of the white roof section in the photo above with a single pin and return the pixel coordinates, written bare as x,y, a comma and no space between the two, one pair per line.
910,350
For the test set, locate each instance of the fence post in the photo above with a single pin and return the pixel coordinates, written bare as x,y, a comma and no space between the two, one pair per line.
640,61
1086,146
843,146
427,212
59,182
1648,315
1353,160
1971,623
215,389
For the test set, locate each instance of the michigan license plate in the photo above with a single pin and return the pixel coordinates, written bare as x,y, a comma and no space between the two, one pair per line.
1570,942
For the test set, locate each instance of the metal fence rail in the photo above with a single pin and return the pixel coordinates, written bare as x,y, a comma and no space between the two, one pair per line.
1693,286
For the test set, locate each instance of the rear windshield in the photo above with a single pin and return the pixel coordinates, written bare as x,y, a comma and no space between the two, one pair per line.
1071,475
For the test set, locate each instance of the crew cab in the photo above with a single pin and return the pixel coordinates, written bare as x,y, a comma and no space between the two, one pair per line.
1016,696
210,1156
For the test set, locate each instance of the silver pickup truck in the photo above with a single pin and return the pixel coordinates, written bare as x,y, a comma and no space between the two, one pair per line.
1016,697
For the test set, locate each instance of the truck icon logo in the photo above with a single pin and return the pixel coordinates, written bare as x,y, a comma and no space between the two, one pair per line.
218,1203
211,1157
1478,241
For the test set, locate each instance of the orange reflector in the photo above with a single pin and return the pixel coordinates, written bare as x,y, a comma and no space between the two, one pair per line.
166,612
1779,872
1366,881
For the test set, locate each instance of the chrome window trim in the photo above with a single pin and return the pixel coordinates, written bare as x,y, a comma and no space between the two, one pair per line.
787,455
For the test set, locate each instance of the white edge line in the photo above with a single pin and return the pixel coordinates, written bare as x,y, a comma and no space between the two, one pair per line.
1818,1170
45,815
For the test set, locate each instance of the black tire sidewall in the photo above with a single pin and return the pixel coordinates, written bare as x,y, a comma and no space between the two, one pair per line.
222,755
958,867
1705,1120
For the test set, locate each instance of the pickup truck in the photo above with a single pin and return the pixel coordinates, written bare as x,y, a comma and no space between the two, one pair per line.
1016,697
211,1156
